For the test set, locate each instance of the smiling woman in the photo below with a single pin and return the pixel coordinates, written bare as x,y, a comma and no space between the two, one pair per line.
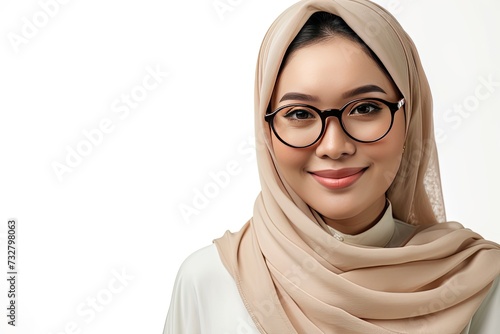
339,177
349,232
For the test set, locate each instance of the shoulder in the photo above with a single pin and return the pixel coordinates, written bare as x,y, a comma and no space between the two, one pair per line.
201,265
203,275
205,298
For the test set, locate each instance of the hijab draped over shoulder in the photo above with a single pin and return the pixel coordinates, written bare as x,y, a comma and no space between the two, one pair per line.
295,277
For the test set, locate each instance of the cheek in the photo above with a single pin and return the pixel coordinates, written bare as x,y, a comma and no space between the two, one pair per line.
289,160
387,153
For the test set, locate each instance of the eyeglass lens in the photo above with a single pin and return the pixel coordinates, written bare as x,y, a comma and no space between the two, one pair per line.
365,120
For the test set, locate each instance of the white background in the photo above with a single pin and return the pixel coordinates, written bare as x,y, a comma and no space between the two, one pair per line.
118,210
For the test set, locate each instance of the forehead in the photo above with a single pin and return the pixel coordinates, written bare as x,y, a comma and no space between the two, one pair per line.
329,68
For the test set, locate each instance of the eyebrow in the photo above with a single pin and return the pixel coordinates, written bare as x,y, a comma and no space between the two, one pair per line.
350,93
299,96
362,90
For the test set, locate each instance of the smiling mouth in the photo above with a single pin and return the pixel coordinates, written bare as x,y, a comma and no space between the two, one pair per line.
338,179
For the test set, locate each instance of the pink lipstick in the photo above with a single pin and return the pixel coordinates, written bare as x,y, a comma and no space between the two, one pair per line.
338,178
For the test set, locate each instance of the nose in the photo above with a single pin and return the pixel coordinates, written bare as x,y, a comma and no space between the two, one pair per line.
335,143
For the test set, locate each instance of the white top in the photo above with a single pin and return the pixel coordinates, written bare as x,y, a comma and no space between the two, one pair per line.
388,232
205,299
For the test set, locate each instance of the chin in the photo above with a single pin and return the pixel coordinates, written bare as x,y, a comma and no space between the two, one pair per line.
357,204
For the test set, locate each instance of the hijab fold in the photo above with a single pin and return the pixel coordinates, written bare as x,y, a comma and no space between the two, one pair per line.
295,277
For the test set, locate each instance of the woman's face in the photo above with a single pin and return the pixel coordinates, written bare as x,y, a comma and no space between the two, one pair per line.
327,75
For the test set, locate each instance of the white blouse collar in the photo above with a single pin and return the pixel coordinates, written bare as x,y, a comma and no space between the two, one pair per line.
378,235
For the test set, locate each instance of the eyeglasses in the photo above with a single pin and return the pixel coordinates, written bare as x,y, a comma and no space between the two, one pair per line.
365,120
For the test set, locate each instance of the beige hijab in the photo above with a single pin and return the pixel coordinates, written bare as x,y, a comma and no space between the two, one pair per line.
295,277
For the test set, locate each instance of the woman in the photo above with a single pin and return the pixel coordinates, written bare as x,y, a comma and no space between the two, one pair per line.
348,234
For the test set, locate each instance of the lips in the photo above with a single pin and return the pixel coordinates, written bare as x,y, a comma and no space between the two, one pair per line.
338,178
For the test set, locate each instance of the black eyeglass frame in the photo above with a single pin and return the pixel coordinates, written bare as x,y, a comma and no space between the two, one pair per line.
324,114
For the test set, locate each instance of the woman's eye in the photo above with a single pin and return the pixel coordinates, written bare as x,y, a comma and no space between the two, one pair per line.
364,109
299,114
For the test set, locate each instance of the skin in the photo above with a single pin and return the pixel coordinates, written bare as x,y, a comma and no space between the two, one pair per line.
326,71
